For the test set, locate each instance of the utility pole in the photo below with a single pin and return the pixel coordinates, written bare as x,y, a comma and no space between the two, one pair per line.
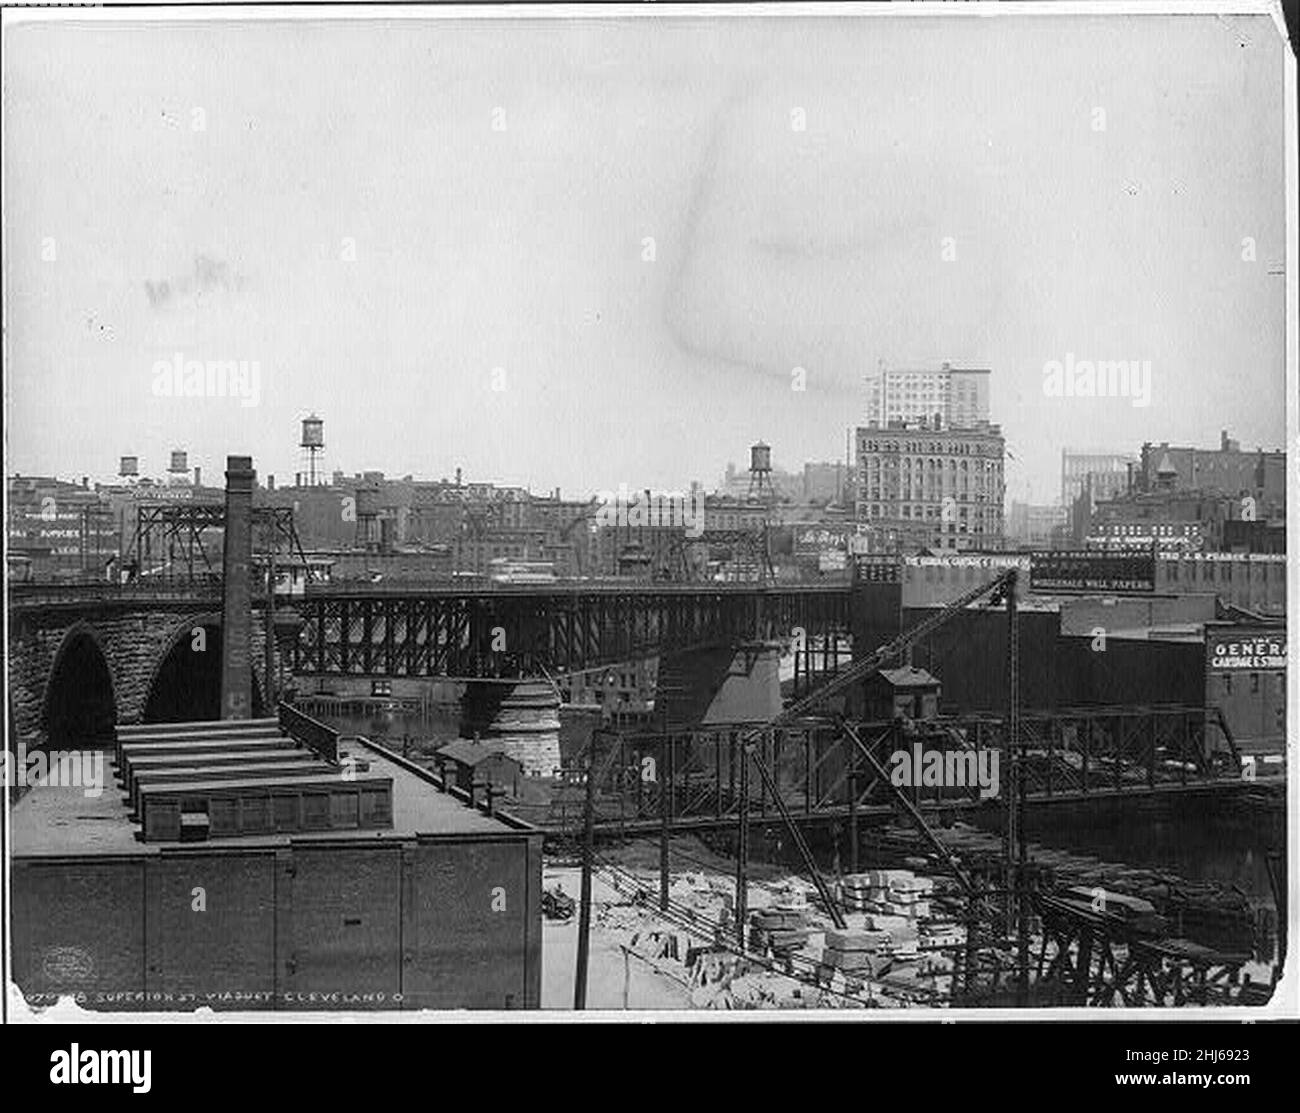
665,816
853,812
742,850
1016,801
270,618
584,900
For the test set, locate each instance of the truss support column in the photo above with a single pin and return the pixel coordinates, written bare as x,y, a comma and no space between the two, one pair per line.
742,851
665,819
853,812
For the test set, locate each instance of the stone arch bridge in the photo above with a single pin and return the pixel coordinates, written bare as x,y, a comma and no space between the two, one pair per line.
82,661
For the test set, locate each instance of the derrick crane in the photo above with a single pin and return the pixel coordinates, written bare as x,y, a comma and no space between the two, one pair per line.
1001,587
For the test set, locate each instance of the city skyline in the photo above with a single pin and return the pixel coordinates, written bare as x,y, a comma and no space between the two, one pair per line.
663,232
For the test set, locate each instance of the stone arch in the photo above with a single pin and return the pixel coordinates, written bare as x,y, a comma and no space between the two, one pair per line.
184,682
79,708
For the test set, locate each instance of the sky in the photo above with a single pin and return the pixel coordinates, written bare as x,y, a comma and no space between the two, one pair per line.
585,253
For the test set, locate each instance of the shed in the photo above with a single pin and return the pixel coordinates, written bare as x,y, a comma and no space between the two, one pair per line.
470,760
909,692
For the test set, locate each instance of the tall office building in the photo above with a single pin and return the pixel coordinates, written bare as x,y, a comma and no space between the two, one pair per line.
959,395
1109,472
921,487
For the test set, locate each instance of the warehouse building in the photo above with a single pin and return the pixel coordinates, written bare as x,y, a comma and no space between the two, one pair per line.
230,867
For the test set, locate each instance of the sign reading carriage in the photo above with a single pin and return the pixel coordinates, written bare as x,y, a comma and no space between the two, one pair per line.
1088,572
1253,650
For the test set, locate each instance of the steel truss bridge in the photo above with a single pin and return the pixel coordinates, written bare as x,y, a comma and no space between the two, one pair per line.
1100,957
507,630
180,543
821,773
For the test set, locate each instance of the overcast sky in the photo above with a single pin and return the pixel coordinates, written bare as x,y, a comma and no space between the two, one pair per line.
524,247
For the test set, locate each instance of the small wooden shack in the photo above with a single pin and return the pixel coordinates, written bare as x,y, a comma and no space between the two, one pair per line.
907,692
470,760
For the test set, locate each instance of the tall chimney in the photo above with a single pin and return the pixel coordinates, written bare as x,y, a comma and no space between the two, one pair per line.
270,483
236,603
198,477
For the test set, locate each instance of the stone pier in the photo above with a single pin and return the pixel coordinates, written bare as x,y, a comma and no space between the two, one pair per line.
519,717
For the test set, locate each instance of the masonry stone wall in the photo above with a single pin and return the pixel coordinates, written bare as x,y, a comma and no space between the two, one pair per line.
134,644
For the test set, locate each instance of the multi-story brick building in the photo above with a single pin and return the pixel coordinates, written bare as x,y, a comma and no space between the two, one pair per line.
922,487
1227,470
60,529
1104,474
960,396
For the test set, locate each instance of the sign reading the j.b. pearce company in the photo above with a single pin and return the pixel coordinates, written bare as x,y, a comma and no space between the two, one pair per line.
1110,573
1246,649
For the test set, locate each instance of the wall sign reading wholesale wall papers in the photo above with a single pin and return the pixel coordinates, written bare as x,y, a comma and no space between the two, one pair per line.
1089,572
1254,649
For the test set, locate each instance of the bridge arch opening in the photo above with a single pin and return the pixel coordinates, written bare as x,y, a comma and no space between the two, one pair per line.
187,685
80,707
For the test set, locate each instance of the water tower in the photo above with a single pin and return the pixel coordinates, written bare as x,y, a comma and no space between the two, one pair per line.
129,468
760,472
313,450
178,471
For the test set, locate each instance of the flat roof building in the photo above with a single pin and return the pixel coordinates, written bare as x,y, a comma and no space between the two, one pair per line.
229,868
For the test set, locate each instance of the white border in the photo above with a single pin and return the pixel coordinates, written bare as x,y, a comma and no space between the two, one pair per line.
1286,998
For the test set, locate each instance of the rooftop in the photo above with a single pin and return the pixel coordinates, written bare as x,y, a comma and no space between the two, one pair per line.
60,820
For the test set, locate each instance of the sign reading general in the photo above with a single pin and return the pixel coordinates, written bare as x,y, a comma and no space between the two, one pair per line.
1252,649
1092,572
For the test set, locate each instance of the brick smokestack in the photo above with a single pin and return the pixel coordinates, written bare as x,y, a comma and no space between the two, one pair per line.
236,604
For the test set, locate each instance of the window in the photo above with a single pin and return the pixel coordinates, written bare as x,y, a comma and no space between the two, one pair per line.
1227,683
1254,683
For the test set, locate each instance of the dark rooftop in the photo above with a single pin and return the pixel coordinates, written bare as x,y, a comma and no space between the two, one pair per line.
61,820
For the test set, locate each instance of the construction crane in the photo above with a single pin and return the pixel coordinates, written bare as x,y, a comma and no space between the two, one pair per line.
1001,588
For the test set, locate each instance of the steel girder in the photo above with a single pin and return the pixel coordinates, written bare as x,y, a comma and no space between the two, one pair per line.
506,634
814,763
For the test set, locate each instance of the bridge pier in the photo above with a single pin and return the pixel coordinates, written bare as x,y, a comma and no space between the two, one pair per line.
721,684
519,717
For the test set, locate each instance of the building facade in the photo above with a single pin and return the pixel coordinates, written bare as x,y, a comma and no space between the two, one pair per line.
921,487
960,396
1034,526
1105,474
1227,470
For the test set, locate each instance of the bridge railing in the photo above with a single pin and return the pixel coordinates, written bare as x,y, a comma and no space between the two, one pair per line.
312,733
31,591
567,585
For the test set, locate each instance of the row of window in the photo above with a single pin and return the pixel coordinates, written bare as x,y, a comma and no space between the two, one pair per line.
1208,573
891,464
933,447
1279,681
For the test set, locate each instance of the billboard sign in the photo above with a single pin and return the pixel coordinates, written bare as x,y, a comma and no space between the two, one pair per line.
1092,572
879,568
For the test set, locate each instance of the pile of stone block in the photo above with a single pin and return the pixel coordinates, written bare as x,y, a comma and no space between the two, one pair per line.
782,929
854,951
888,893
